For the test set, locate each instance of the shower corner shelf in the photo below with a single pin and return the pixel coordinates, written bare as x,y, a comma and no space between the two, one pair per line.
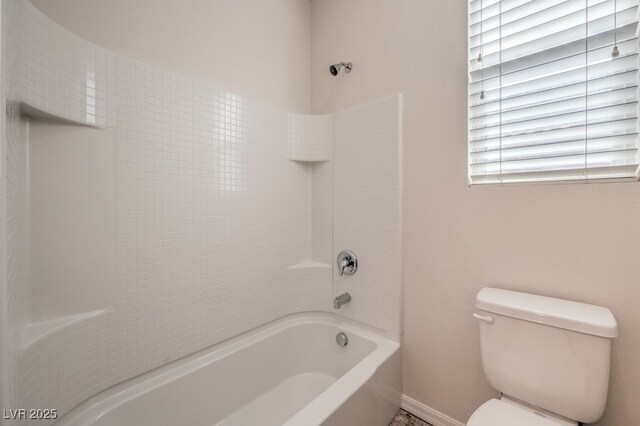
305,160
34,332
310,264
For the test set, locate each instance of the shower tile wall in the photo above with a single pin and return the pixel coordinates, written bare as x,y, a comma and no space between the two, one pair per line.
310,137
212,217
208,207
367,189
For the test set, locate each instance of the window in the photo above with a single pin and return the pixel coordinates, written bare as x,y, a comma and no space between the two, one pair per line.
553,90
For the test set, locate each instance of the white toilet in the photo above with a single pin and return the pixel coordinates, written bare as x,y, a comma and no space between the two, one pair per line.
548,357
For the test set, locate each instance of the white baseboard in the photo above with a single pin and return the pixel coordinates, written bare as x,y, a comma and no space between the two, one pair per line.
426,413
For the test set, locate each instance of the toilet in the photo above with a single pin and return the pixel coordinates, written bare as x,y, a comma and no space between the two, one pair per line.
549,358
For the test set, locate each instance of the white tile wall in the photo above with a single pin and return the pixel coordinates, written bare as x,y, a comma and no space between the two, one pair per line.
367,189
208,210
309,137
307,287
57,71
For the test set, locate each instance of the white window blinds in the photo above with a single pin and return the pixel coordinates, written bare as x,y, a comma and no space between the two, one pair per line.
553,90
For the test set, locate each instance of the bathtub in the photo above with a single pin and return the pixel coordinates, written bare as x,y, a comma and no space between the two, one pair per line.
287,372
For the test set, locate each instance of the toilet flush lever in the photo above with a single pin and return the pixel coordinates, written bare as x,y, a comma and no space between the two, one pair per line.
486,318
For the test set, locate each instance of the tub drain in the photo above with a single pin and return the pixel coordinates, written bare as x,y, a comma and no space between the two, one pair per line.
342,339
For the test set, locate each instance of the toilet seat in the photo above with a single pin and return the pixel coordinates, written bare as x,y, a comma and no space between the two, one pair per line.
504,412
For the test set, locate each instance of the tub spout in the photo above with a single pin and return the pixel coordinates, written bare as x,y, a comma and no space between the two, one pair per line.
343,299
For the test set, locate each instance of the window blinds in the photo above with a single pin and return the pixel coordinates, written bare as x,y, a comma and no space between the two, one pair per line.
553,90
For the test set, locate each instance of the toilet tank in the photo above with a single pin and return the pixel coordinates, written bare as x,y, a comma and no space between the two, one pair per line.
548,352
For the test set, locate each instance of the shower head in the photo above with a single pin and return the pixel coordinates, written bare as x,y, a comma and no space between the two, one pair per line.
335,68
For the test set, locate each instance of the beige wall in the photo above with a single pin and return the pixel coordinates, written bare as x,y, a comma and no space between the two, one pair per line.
572,241
253,48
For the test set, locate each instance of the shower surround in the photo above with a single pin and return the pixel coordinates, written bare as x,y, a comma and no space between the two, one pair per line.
217,214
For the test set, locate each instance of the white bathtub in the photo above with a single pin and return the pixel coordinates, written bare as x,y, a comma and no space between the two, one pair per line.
288,372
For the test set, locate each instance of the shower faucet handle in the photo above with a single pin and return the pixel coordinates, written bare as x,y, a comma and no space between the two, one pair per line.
347,263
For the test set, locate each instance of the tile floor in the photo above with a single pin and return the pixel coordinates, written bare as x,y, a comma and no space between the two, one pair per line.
404,418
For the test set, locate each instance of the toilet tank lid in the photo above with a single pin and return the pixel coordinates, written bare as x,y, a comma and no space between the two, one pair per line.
576,316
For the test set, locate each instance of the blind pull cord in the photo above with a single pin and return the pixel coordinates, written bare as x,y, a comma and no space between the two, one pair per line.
481,49
616,51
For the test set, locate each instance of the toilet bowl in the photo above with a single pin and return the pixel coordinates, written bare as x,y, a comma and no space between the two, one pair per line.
537,351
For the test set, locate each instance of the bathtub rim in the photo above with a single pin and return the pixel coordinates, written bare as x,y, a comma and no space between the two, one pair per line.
318,410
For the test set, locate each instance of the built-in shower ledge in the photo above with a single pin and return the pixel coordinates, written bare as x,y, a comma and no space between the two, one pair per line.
309,264
309,160
29,110
36,331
